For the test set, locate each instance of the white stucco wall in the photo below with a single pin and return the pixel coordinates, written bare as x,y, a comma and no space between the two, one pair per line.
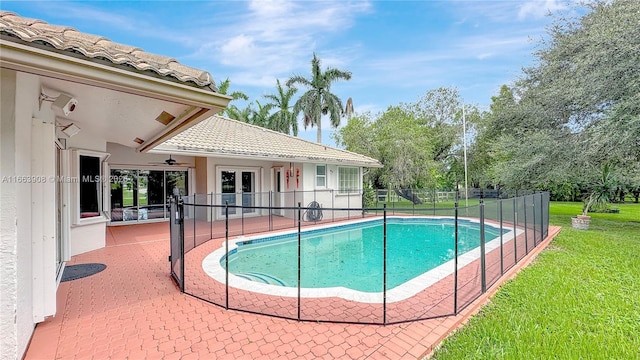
27,212
327,196
8,221
85,235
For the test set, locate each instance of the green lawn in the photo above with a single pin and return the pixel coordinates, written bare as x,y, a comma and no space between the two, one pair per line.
580,299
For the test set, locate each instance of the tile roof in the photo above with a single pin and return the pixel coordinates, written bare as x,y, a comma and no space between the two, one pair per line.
71,42
221,136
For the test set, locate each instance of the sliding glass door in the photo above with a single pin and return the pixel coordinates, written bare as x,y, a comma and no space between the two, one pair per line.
139,195
229,186
248,191
124,195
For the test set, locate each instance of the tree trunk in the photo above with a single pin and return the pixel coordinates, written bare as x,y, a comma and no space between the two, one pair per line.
319,124
409,195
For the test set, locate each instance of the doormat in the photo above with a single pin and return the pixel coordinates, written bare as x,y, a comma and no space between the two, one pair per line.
73,272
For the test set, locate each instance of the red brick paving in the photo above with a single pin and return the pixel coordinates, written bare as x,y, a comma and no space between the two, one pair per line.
133,310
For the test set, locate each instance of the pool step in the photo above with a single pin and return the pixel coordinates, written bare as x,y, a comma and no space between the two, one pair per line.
262,278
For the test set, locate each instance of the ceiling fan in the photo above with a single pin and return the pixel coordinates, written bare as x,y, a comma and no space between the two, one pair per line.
169,162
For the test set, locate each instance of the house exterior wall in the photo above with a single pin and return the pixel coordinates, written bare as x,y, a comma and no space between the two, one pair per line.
9,318
328,196
202,184
298,185
85,235
27,205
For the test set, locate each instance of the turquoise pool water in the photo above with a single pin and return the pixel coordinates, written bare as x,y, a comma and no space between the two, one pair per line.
351,256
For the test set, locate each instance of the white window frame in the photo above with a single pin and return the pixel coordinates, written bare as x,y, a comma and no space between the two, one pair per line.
103,193
351,190
323,177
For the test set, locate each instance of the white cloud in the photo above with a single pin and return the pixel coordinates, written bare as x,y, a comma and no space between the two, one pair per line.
428,68
276,38
269,7
239,46
538,9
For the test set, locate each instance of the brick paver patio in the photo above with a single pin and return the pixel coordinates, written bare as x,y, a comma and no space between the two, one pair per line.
133,310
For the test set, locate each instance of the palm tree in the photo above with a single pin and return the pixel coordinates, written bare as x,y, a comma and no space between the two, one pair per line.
282,120
223,88
245,114
318,100
261,116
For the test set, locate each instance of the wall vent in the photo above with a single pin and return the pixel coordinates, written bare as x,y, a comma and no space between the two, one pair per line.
165,118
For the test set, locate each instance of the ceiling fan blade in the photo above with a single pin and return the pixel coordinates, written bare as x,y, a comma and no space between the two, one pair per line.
168,162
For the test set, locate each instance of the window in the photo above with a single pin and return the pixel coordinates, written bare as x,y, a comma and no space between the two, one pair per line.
348,180
321,175
90,186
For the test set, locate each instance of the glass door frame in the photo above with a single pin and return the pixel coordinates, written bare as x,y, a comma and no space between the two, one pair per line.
62,214
241,195
277,179
137,169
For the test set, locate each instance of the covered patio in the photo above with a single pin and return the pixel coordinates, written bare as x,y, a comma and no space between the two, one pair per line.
134,310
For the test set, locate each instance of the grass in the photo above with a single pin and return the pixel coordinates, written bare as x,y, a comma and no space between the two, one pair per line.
580,299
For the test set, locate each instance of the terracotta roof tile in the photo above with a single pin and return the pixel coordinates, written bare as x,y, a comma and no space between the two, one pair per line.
64,38
220,136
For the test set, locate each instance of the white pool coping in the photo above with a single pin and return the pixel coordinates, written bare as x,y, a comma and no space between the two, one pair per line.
212,267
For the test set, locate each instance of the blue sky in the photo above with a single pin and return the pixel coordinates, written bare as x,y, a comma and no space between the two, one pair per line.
396,50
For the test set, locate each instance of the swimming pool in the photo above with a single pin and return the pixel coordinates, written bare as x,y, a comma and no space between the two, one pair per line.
347,260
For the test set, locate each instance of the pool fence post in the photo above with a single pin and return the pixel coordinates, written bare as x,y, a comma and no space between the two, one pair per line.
211,216
242,215
270,210
526,238
413,204
333,205
433,198
384,266
393,203
315,191
501,237
349,205
181,230
533,225
541,216
194,220
377,198
455,254
515,230
299,251
483,262
226,249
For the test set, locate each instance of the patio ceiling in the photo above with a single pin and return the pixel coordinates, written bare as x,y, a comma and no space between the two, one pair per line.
116,116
